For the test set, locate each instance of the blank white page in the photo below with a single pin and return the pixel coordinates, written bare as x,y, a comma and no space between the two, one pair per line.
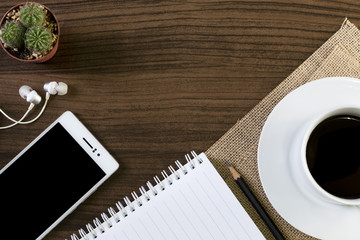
199,205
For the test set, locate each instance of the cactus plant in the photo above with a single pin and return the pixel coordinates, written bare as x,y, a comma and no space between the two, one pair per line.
32,15
29,32
12,34
38,39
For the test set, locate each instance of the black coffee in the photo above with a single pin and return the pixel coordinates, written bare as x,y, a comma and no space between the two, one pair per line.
333,155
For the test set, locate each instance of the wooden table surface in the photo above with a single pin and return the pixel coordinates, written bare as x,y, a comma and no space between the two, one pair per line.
153,80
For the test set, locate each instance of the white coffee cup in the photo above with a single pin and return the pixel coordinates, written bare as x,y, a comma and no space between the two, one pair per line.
299,167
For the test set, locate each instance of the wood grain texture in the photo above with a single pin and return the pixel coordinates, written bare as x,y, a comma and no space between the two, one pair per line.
155,79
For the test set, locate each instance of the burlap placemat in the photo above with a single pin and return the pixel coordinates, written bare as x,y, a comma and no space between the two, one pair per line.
338,56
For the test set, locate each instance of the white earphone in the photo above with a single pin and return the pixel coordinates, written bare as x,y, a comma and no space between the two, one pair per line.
32,97
56,88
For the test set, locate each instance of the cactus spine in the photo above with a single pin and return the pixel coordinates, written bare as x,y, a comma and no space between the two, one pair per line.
38,39
12,34
32,15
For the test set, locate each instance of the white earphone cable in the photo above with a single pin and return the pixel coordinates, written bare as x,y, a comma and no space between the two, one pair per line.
34,119
22,118
40,113
7,116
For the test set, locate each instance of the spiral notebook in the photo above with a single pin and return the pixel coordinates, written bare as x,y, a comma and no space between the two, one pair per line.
191,202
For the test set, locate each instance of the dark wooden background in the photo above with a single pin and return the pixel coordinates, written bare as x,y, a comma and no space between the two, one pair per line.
155,79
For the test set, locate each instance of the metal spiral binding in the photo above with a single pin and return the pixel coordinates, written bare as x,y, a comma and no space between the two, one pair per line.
121,209
144,193
151,187
167,177
190,161
74,237
83,234
98,225
91,230
113,214
172,170
129,203
136,200
160,183
106,220
180,166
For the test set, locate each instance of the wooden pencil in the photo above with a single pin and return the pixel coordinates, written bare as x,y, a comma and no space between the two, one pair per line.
255,203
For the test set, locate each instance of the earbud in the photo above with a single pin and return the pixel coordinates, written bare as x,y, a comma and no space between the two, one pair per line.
34,98
29,94
56,88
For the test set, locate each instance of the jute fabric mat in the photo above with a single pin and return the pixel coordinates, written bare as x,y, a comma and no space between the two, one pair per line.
338,56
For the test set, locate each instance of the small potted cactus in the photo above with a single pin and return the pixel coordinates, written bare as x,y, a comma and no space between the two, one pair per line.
30,32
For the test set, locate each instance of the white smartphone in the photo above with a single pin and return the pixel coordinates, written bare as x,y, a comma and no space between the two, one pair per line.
48,179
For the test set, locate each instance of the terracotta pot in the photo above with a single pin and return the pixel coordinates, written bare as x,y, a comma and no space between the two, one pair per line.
45,57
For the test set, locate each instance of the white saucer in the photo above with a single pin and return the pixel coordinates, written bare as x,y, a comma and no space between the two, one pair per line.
317,218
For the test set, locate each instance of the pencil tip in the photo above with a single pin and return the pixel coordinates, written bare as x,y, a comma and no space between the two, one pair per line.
228,164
